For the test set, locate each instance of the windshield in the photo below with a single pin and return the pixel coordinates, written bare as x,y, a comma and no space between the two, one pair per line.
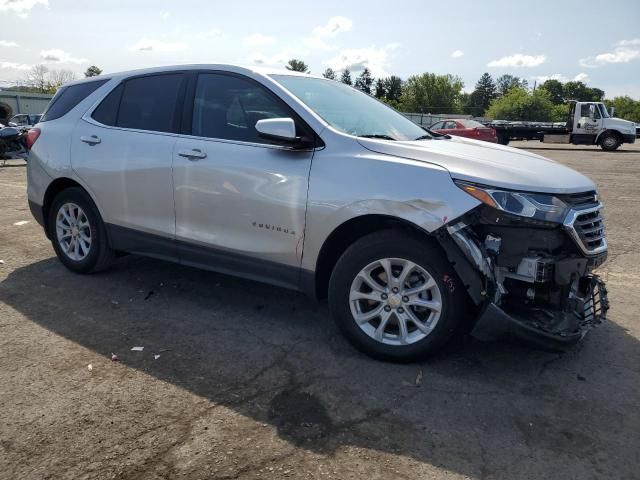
349,110
471,123
603,111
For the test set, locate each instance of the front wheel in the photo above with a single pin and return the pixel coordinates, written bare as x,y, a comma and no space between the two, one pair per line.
610,142
396,297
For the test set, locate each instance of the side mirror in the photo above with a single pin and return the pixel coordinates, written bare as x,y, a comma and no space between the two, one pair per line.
612,112
277,128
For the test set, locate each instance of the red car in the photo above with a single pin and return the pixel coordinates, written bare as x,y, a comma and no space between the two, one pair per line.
465,128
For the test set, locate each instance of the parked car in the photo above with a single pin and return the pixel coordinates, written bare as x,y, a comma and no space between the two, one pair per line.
23,120
309,184
463,127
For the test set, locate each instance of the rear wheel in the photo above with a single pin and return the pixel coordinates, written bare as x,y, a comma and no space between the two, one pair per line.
395,297
77,232
610,142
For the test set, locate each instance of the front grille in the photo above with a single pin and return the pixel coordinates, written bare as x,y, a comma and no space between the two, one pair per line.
586,226
580,200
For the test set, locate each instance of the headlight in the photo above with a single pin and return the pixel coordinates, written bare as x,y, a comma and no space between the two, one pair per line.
539,206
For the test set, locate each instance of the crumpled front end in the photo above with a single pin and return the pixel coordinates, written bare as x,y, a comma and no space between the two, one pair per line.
533,278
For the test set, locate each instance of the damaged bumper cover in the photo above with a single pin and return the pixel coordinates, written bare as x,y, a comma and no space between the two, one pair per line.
532,280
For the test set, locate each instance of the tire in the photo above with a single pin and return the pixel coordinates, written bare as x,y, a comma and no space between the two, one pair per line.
89,256
346,286
610,142
503,138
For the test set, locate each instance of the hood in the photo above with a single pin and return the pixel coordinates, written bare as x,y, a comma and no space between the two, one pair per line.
624,126
488,164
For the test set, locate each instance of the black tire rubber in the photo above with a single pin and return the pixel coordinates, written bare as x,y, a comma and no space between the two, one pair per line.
503,138
100,254
607,136
398,244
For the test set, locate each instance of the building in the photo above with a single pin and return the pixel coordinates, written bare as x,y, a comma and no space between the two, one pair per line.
12,103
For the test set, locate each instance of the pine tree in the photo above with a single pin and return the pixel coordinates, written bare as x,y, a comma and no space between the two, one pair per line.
329,73
364,81
346,77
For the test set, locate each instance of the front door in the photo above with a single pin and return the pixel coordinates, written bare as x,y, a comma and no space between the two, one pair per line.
240,199
588,120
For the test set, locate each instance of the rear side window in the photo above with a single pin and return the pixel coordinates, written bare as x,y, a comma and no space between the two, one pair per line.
107,111
149,103
68,97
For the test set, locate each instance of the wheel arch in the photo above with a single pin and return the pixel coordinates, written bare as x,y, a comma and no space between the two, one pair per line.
54,188
609,131
349,232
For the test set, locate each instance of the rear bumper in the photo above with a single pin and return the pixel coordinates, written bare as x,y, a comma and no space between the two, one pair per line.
37,212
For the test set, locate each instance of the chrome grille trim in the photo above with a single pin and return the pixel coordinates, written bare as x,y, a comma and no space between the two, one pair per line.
586,228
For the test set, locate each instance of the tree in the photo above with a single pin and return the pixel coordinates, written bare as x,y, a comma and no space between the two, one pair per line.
329,73
346,77
393,88
520,104
507,82
380,91
431,93
37,78
481,97
57,78
364,81
92,71
626,107
297,66
555,89
579,91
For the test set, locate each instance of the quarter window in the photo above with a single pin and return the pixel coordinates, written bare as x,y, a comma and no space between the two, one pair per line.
68,97
228,107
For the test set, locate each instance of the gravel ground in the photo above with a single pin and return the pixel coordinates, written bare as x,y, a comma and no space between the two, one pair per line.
253,381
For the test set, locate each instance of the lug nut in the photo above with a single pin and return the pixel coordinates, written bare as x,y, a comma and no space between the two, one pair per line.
387,308
400,310
394,289
384,296
405,299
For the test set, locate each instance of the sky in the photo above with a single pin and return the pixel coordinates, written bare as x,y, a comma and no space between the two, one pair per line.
534,40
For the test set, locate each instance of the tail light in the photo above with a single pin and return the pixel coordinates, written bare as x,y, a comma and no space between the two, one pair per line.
32,136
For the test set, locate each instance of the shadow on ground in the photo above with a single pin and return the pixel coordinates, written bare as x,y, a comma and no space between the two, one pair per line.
271,355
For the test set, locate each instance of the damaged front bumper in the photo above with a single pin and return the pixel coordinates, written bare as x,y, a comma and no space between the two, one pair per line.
531,279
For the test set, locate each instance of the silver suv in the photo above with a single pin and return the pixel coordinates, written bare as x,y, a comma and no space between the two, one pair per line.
309,184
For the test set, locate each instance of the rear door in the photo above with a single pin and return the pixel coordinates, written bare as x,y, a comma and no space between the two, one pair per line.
123,152
240,200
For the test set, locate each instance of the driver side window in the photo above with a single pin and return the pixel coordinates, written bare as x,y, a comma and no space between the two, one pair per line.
228,107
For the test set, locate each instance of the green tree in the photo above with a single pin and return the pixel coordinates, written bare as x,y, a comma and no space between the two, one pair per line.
579,91
364,81
296,65
507,82
481,97
431,93
92,71
626,108
346,77
329,73
380,90
393,88
519,104
555,89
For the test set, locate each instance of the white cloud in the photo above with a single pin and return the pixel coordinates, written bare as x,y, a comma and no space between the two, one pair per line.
357,59
457,54
209,34
624,51
334,26
149,45
55,55
6,43
258,39
316,43
15,66
581,77
164,15
21,7
518,60
277,60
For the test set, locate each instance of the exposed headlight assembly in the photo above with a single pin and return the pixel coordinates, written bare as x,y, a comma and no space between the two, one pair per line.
539,206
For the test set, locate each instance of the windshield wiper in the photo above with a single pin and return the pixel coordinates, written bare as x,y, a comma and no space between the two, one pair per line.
381,136
424,137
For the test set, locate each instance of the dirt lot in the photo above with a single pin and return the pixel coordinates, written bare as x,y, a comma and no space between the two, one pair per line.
255,382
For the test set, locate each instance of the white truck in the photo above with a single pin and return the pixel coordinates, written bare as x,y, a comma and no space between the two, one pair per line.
589,123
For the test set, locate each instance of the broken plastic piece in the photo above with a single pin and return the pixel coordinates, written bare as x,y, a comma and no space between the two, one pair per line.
137,349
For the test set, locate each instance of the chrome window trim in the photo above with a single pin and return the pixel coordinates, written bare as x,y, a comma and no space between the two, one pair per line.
568,224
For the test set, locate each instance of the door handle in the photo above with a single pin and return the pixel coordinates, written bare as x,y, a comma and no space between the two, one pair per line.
92,140
194,154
